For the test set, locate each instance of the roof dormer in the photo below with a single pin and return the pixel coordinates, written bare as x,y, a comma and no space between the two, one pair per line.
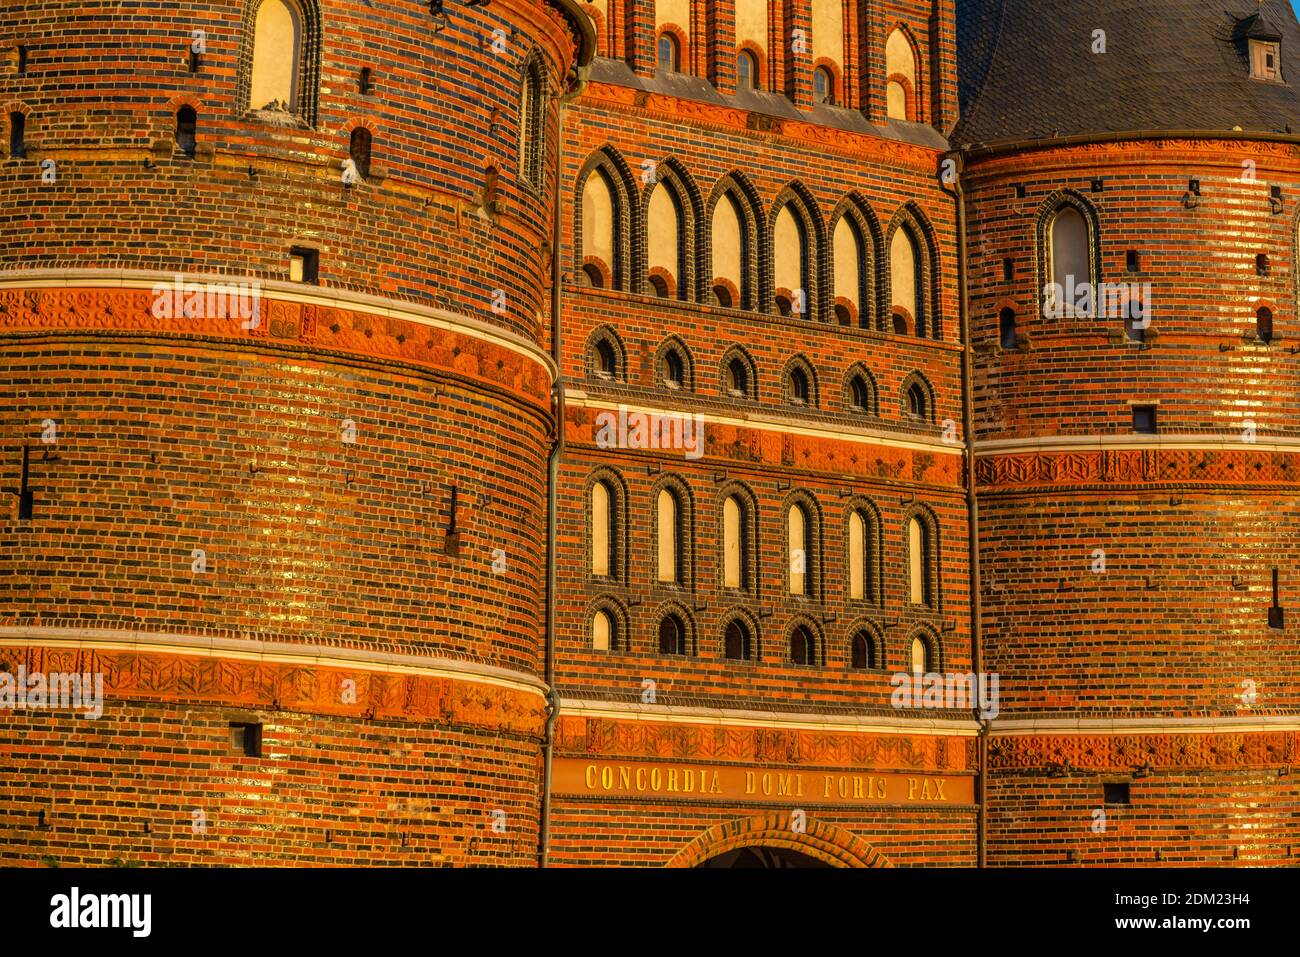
1261,43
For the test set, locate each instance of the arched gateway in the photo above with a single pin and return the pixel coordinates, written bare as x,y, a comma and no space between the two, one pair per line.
769,841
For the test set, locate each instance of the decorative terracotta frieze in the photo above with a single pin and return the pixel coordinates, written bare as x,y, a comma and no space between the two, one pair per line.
447,350
581,736
1113,469
1131,752
313,689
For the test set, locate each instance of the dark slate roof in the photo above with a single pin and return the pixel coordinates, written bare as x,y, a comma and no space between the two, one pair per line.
1027,69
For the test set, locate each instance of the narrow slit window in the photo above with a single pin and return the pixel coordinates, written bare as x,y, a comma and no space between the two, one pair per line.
1264,325
733,543
304,264
602,537
246,739
532,122
919,555
1144,419
1007,328
17,135
359,150
186,130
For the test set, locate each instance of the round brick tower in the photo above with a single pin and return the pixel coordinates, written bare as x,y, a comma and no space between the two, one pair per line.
1138,456
275,419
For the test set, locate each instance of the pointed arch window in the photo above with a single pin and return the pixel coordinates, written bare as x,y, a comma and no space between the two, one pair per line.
729,252
901,77
863,652
1069,253
606,360
601,239
917,405
863,533
905,271
737,643
532,125
605,356
602,530
668,531
797,539
284,72
604,634
277,49
733,235
920,562
850,273
860,393
665,249
790,257
187,121
674,370
803,646
736,547
799,389
919,656
737,378
672,635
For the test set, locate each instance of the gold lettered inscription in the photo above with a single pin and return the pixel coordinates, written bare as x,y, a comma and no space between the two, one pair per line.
581,776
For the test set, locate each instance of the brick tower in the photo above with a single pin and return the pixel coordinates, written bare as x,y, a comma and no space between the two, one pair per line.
276,415
1138,463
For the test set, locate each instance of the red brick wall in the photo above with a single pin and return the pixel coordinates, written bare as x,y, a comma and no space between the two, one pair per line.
1194,817
325,541
654,829
327,791
583,837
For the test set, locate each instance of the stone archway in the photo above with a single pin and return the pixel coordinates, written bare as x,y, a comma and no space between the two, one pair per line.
822,842
764,858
